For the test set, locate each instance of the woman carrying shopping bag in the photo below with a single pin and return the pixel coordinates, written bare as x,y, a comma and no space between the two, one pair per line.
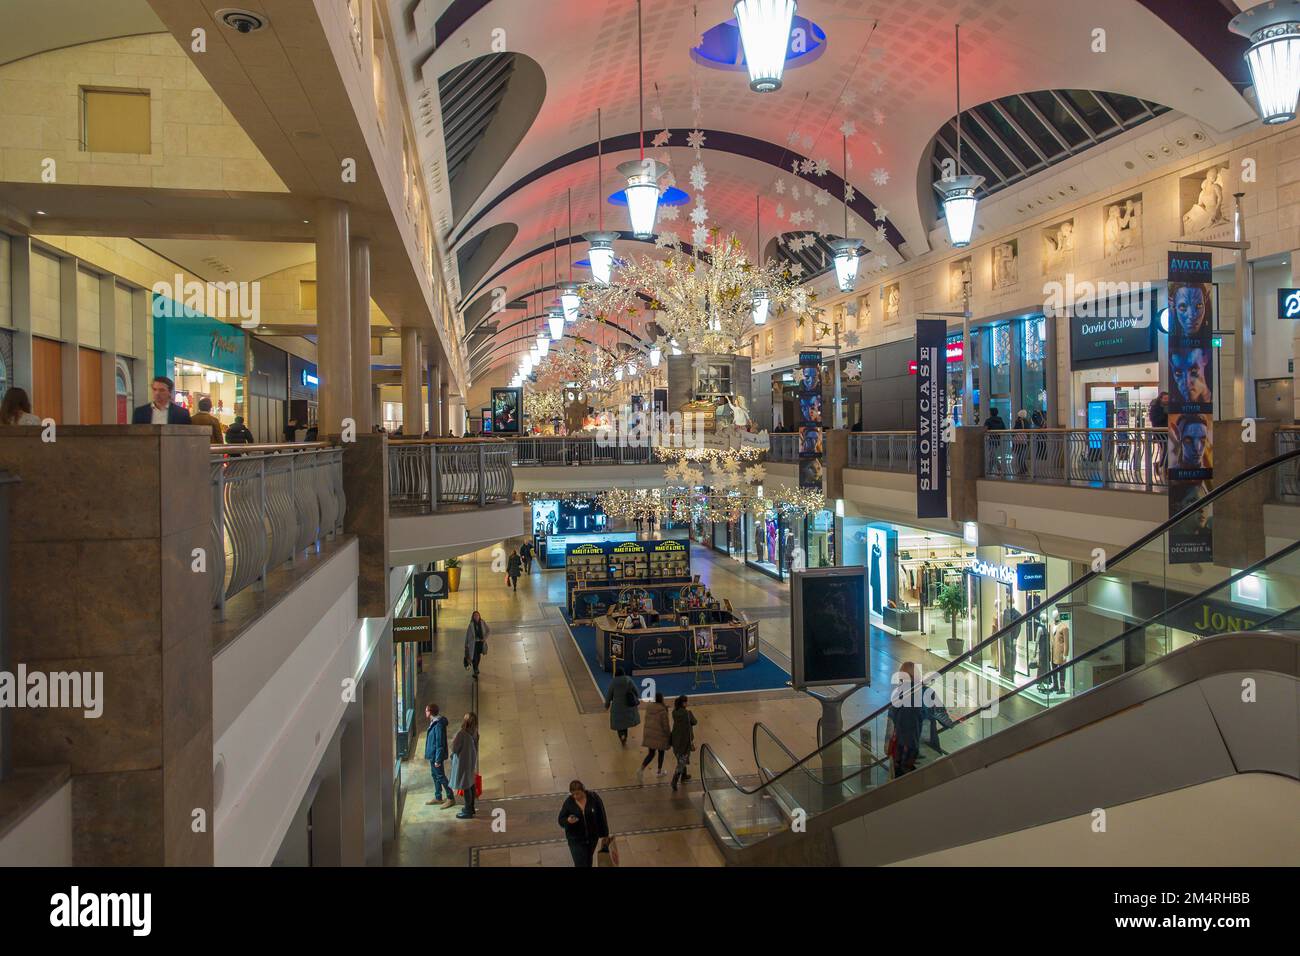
464,764
582,817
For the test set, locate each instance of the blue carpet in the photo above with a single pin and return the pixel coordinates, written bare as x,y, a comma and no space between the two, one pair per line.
763,674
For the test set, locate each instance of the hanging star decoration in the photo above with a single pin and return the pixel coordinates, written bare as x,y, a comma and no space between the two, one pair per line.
695,140
881,213
850,193
699,236
880,176
823,166
848,127
699,177
661,138
780,187
699,214
669,213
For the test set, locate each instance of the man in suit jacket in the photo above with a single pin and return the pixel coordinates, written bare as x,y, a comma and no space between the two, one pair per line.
162,411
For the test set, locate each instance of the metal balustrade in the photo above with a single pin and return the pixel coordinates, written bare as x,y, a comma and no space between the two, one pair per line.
883,451
1128,458
1288,474
532,450
783,447
428,475
269,504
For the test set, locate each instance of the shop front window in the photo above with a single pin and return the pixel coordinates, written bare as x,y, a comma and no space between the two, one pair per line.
713,380
1000,372
1033,368
956,382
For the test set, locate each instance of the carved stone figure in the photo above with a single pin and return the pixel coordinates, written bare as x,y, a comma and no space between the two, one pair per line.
959,281
1123,226
1005,265
1208,211
1058,245
891,303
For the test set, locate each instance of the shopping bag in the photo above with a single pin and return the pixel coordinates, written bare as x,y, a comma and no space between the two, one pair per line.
607,855
478,785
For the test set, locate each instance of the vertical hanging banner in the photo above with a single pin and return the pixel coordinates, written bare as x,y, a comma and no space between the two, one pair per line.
931,401
811,470
1191,403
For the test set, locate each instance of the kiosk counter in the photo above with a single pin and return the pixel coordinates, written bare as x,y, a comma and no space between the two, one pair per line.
729,643
600,569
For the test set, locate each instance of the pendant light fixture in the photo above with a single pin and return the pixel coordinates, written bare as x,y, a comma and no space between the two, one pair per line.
600,251
656,354
765,35
642,174
760,301
1274,57
555,319
570,301
847,251
959,191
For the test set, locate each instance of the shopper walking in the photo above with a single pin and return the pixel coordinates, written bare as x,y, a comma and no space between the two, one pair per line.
238,433
622,702
205,417
656,735
526,555
476,635
512,571
464,763
683,740
906,715
16,409
435,751
586,828
1158,414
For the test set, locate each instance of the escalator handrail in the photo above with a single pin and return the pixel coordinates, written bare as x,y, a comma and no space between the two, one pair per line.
1157,532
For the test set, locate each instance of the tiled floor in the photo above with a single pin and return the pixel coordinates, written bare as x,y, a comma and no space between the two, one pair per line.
541,725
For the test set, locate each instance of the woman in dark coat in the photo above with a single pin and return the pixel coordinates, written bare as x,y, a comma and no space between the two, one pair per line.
622,701
464,763
683,740
906,715
476,635
513,567
583,819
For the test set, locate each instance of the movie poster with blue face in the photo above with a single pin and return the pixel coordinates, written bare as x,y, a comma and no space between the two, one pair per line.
1190,455
811,447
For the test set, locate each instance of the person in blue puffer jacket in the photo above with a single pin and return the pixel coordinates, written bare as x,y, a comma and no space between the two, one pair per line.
435,751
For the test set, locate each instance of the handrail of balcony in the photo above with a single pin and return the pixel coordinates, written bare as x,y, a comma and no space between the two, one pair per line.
540,450
1288,473
427,475
270,504
883,451
1122,458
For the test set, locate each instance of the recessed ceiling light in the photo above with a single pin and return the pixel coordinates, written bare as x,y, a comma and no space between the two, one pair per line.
40,212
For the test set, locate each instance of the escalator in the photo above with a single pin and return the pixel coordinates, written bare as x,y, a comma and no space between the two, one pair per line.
1154,644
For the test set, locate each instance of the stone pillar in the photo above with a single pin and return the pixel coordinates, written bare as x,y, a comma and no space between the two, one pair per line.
105,526
434,375
412,413
359,277
1238,530
965,469
443,394
333,308
365,474
835,460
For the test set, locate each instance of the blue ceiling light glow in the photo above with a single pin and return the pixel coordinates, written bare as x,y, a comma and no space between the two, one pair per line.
722,49
672,196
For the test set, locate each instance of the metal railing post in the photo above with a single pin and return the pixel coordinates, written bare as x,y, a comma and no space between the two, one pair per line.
293,495
261,493
482,475
433,479
219,522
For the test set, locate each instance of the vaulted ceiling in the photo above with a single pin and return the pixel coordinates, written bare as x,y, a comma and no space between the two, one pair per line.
886,68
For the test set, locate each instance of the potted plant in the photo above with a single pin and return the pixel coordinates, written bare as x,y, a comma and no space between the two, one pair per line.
453,574
951,600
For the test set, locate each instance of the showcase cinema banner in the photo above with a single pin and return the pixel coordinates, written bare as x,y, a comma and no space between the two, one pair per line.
811,470
1191,403
931,403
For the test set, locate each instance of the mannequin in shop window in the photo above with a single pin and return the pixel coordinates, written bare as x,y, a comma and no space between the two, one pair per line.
1060,649
1042,650
1010,619
876,558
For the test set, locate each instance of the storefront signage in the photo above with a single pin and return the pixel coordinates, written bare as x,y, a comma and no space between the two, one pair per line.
1288,303
1204,618
629,547
410,629
663,546
931,403
431,585
1002,573
1031,576
310,380
1126,331
1191,403
182,333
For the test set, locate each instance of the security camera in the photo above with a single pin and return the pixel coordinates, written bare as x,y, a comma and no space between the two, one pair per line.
241,21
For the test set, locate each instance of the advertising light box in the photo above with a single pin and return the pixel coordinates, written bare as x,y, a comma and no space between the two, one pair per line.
829,637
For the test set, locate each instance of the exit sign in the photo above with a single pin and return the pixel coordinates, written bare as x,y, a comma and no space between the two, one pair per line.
1216,341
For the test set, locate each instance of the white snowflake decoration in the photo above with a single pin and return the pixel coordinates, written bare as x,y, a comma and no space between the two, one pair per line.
850,193
821,197
699,236
880,150
755,474
796,269
880,176
881,234
794,191
881,262
881,213
848,97
851,339
699,177
877,84
807,142
780,210
700,213
657,113
695,140
794,166
780,187
668,239
661,138
796,219
823,166
669,213
806,166
793,137
822,227
848,127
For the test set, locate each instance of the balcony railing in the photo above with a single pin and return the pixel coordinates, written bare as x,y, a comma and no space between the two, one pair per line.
1288,473
783,447
428,475
578,450
269,504
883,451
1127,458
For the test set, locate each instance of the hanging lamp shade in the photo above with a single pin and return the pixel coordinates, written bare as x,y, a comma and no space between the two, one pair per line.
959,207
1273,57
570,300
600,254
656,354
642,193
760,304
847,253
618,373
677,349
765,34
555,322
543,344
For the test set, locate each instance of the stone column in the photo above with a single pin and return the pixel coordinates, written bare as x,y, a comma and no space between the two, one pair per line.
965,469
412,413
443,394
105,529
362,406
434,376
333,308
1238,529
365,475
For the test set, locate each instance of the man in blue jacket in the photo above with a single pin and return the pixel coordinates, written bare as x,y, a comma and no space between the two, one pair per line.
435,751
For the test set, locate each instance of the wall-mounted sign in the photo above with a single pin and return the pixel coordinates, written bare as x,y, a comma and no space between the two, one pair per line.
1288,303
1002,573
828,640
954,352
1191,403
431,585
310,380
1031,576
931,406
410,629
1126,331
507,410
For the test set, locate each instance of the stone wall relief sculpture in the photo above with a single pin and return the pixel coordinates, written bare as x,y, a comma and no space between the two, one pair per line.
1122,230
1006,264
1204,200
1058,246
891,296
959,281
